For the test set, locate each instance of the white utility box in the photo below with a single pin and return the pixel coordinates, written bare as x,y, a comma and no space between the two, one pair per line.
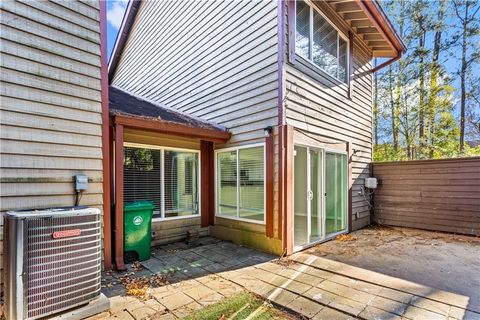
371,183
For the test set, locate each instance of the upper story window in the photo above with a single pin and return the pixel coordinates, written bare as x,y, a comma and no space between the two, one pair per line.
318,41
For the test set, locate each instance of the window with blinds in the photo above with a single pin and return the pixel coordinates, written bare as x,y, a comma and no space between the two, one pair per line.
181,193
241,183
318,41
143,181
141,176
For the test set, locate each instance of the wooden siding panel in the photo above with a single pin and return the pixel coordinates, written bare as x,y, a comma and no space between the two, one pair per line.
50,104
45,44
320,106
214,60
218,62
441,195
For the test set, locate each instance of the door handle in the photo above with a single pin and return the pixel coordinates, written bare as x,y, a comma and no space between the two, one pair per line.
309,195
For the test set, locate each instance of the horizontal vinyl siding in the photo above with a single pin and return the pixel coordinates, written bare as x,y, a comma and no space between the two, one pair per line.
319,105
215,60
50,103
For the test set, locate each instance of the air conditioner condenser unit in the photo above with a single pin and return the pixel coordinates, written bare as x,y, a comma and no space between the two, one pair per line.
52,260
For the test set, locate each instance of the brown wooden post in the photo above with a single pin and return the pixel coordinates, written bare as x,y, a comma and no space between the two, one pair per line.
280,184
350,184
119,198
269,184
288,187
207,183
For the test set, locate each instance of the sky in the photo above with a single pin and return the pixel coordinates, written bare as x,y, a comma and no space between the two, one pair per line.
115,12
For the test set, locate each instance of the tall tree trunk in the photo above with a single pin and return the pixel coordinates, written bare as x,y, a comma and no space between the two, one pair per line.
392,109
421,107
463,73
399,79
432,100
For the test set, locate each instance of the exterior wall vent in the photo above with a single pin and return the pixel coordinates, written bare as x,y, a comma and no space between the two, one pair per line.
52,260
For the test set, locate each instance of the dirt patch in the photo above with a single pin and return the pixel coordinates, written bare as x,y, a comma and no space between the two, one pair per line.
445,261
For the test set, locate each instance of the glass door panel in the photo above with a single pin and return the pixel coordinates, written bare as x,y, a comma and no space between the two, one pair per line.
335,192
315,195
300,222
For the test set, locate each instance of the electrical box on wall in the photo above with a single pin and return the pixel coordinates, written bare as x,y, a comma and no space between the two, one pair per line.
371,183
81,182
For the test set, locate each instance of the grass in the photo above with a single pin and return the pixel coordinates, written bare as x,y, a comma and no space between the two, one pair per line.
240,307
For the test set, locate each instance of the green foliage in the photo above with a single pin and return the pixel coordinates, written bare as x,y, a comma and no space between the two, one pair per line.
446,137
237,307
417,99
386,152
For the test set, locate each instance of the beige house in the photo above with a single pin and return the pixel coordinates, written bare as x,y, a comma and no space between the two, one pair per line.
290,81
246,120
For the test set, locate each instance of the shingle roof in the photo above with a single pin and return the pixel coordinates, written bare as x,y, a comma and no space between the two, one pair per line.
124,103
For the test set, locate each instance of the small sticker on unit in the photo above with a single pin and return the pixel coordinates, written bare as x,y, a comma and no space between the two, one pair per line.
66,233
137,220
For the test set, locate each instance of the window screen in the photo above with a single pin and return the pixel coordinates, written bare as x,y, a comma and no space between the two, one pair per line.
143,181
241,183
302,36
227,183
141,175
181,192
251,183
319,42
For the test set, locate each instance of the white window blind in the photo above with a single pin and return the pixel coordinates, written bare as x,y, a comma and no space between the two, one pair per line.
227,183
181,193
320,42
241,183
141,176
252,183
176,193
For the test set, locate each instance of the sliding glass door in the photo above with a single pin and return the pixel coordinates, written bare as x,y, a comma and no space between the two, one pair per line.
320,194
335,193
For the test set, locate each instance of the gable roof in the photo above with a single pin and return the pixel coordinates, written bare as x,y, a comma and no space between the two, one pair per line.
366,17
122,35
123,103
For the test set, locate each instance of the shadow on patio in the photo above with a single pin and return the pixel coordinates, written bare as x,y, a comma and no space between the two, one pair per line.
313,287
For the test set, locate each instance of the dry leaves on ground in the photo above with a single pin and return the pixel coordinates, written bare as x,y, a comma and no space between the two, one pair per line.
140,287
137,266
345,238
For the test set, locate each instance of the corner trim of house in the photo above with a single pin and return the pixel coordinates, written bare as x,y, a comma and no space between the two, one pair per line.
107,234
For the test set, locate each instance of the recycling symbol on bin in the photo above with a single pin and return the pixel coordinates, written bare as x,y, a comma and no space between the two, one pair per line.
137,220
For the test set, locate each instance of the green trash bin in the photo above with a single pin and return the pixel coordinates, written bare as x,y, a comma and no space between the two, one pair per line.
137,224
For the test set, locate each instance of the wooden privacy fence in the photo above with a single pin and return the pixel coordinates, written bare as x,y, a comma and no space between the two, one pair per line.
441,195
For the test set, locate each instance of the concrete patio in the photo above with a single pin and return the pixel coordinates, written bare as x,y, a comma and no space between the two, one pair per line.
312,287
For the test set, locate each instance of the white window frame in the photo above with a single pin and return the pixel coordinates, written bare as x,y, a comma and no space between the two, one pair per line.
324,150
340,34
238,218
162,180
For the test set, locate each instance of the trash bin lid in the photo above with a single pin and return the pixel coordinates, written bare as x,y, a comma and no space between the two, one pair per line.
138,205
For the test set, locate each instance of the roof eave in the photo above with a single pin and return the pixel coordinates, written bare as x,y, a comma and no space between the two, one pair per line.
375,12
171,128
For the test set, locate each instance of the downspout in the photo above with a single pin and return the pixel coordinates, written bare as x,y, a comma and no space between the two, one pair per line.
387,63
